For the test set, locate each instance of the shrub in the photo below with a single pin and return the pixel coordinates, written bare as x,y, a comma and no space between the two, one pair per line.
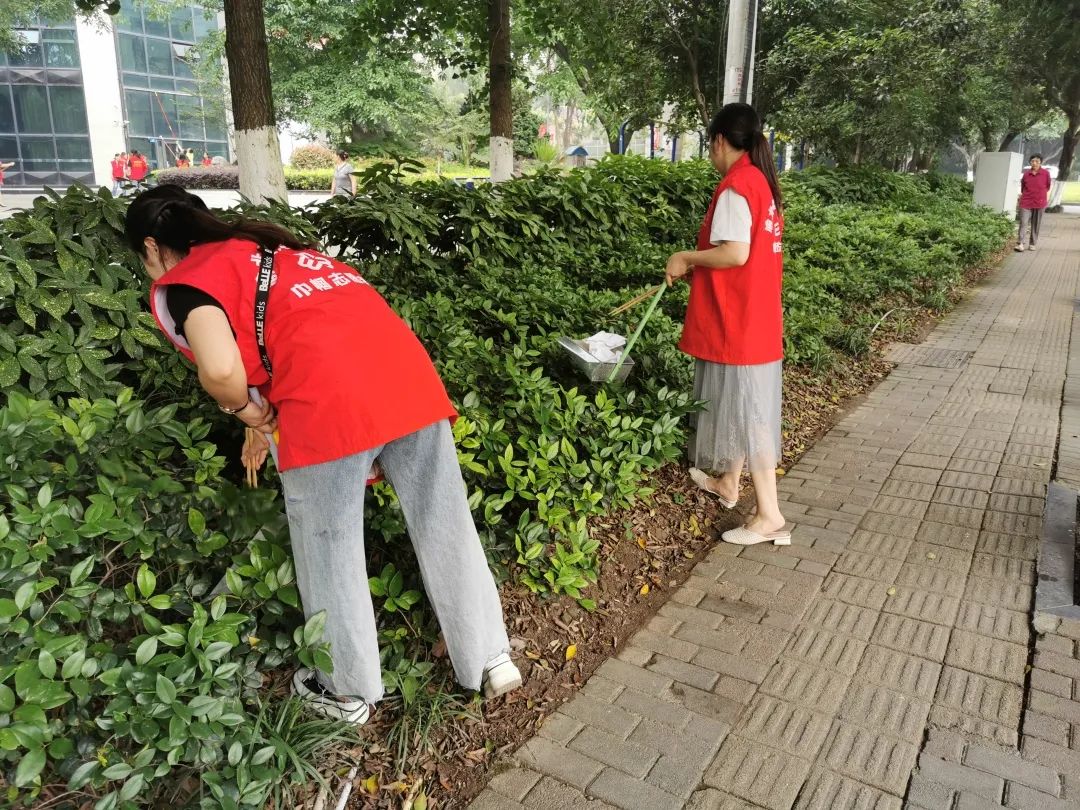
312,156
545,151
115,521
228,177
308,179
72,304
204,177
136,670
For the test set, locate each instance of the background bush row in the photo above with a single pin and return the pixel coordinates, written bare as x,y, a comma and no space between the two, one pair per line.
228,177
125,667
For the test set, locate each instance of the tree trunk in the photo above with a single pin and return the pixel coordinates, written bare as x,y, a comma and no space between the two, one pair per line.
613,141
1069,142
1007,141
502,117
1068,146
257,150
568,129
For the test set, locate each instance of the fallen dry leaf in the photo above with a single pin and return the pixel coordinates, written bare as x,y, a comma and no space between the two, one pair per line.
571,651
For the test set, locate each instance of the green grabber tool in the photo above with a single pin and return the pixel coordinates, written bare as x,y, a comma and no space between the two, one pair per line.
637,332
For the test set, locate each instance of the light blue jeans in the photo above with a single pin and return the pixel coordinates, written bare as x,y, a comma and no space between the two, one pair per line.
325,504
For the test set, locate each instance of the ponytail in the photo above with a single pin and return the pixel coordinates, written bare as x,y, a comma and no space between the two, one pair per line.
761,156
741,127
179,220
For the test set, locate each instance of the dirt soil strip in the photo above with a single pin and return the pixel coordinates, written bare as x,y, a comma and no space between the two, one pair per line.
654,544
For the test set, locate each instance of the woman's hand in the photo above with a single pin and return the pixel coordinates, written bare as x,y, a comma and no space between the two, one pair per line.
261,417
677,267
256,446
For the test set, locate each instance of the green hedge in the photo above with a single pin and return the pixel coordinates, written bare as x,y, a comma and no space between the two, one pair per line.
228,177
121,676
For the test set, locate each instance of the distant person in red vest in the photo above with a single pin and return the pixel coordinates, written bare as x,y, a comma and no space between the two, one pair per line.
1034,195
138,168
182,161
206,160
734,325
119,172
336,413
3,168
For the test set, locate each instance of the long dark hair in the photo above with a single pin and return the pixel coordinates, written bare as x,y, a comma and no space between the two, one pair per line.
741,127
178,220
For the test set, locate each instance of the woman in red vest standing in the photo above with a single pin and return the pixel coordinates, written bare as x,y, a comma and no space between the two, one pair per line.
734,325
286,338
138,168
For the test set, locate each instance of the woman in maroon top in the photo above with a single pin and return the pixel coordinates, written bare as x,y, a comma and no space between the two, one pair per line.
734,325
1034,193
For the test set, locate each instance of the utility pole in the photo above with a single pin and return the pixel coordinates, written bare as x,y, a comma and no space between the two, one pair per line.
739,59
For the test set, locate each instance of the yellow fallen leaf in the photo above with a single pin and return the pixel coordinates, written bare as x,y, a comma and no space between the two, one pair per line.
530,654
253,640
931,556
891,592
571,651
781,471
371,784
644,589
421,801
641,542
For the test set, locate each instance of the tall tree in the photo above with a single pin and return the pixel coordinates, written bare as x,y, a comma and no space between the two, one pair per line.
470,35
257,150
499,81
356,89
1052,40
895,82
609,48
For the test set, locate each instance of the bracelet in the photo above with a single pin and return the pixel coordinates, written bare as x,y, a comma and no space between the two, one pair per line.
234,411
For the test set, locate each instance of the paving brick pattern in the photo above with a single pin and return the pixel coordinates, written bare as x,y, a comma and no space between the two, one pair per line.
886,659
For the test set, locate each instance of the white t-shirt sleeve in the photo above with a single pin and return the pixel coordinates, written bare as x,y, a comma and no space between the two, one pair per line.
731,220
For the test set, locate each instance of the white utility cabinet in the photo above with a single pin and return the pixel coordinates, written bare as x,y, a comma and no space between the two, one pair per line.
997,180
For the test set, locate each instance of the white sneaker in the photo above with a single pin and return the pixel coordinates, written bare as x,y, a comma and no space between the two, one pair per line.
500,676
1031,247
1019,248
307,686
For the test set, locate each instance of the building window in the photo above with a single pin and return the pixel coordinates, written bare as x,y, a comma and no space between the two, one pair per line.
60,48
43,125
162,103
31,108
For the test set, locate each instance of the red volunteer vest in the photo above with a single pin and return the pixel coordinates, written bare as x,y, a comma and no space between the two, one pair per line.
734,315
138,167
349,374
118,169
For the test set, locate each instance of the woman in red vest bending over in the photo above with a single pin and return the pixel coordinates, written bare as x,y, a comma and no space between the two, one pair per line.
734,325
345,382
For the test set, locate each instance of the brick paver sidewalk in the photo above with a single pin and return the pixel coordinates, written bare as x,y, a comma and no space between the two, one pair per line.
887,658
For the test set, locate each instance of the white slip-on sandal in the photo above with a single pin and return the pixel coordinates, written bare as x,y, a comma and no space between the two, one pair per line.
500,676
307,686
742,536
701,478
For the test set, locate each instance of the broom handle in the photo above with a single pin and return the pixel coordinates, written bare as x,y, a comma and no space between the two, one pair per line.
637,332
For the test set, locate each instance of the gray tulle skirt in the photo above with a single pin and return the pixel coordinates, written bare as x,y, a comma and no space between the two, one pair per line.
741,423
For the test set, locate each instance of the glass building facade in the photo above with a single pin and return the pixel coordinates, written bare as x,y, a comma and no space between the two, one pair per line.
43,124
74,93
162,103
